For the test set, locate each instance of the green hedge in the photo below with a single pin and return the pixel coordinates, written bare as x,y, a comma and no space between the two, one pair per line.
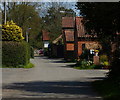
15,54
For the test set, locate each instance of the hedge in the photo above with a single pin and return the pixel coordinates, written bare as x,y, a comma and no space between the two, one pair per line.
15,54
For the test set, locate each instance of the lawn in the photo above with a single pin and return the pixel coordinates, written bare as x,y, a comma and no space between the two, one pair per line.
30,65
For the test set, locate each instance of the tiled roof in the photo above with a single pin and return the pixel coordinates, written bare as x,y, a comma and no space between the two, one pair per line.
68,22
80,26
45,35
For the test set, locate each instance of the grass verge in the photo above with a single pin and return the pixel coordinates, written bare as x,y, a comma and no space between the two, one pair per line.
30,65
108,89
88,67
78,67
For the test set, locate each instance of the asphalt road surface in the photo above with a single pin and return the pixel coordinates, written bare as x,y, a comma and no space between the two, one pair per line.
50,79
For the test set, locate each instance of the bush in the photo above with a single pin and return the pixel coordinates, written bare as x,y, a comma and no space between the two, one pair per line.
83,64
15,53
45,51
115,65
104,61
86,55
103,58
108,89
11,32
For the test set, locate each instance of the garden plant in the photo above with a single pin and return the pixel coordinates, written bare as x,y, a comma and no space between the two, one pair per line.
15,51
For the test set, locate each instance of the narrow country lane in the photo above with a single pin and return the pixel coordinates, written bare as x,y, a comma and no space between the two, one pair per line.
50,78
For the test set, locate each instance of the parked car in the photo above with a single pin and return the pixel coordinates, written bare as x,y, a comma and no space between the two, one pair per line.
41,51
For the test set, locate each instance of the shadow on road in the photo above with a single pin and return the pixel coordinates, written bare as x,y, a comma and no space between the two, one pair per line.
51,99
65,87
55,60
55,87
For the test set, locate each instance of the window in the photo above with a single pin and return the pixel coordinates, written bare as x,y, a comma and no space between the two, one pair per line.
83,46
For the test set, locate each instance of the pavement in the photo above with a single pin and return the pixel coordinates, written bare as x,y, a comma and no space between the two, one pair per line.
50,79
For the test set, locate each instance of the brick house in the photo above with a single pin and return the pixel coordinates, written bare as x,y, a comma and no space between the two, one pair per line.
45,38
55,48
76,38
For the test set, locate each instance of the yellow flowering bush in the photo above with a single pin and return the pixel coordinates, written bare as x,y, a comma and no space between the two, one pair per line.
96,51
11,32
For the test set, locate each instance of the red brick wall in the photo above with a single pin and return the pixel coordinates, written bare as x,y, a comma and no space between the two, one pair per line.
69,35
80,45
79,48
79,26
70,46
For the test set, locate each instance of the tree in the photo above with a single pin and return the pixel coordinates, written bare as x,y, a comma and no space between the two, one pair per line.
28,14
104,19
52,21
27,17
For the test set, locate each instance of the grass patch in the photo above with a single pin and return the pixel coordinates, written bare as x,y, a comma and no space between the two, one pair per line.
30,65
108,89
87,67
82,68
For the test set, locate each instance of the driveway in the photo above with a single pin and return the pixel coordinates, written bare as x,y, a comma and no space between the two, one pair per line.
50,78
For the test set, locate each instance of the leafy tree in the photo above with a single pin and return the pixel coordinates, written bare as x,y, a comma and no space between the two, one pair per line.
52,21
27,17
27,14
104,19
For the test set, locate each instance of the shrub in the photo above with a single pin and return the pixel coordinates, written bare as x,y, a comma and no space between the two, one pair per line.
104,61
15,53
11,32
86,55
45,51
83,64
103,58
115,65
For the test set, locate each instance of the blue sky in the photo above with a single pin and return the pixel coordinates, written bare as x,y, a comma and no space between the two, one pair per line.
68,5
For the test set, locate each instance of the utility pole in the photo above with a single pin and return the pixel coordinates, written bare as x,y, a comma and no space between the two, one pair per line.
5,12
27,37
27,30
